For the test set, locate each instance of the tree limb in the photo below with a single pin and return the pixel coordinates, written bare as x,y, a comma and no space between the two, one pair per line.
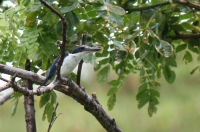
183,2
29,103
64,40
189,4
184,36
90,104
5,96
78,76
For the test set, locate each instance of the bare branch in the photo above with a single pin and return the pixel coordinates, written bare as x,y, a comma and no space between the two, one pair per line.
9,84
196,6
64,40
6,86
3,79
185,36
78,76
21,73
53,117
5,96
29,102
93,106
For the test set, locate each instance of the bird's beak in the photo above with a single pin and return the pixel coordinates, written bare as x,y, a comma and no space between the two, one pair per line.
92,49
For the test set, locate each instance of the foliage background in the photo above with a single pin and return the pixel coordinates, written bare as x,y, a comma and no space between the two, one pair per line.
179,105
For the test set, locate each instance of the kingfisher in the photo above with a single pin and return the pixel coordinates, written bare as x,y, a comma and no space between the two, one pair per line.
71,60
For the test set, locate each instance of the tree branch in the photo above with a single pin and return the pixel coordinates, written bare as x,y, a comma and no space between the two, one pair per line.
184,36
5,96
29,103
22,73
78,76
183,2
90,104
64,40
189,4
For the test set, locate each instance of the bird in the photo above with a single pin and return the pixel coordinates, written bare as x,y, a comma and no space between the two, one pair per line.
71,60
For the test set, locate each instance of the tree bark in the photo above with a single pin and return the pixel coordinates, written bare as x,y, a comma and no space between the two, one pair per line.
29,104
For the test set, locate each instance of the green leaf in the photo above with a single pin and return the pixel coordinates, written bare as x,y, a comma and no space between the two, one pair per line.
103,74
142,95
70,8
112,91
112,18
99,36
143,101
187,57
152,109
53,97
171,61
14,108
187,26
154,92
142,88
111,102
181,47
50,109
44,99
169,74
193,48
114,82
154,99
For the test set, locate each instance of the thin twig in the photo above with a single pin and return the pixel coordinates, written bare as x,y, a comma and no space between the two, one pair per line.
3,79
9,84
64,40
196,6
184,36
78,76
52,117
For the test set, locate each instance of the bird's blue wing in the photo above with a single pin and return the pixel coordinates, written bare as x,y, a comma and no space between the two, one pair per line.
52,69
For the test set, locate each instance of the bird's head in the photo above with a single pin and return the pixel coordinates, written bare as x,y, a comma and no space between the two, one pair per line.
83,49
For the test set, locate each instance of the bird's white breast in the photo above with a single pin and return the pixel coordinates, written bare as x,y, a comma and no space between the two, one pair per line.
69,63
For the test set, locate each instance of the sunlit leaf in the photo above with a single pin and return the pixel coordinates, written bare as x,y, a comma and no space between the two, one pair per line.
164,48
